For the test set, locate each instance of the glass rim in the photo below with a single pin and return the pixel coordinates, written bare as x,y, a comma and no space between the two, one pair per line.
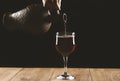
67,33
63,35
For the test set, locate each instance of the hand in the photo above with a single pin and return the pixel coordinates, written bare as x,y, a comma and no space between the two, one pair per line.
52,4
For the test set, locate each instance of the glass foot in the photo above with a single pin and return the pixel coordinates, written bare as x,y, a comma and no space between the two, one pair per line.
65,77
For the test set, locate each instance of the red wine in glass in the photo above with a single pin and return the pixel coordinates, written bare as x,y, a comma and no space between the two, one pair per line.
65,45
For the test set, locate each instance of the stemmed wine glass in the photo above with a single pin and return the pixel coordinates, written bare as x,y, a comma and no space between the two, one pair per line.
65,45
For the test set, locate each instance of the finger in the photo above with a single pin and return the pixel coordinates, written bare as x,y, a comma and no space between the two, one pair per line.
59,4
52,4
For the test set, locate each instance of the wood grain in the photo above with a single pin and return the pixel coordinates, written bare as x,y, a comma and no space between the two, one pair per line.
113,74
80,74
34,74
7,74
105,74
50,74
98,75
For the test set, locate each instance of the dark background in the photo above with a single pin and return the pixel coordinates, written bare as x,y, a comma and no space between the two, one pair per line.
96,37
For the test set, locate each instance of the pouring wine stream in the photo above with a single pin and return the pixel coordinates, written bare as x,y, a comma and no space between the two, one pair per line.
65,21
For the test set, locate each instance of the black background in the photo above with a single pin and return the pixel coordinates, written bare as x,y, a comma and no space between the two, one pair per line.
96,37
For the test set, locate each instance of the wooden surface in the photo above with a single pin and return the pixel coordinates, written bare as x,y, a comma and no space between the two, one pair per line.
49,74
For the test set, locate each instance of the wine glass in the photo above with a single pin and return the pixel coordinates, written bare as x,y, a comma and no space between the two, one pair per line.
65,45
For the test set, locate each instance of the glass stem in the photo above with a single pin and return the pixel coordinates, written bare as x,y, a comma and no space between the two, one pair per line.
65,58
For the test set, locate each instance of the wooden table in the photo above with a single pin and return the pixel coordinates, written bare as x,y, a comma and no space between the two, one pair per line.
49,74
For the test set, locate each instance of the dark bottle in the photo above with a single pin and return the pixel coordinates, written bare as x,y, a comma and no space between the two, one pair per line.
35,19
